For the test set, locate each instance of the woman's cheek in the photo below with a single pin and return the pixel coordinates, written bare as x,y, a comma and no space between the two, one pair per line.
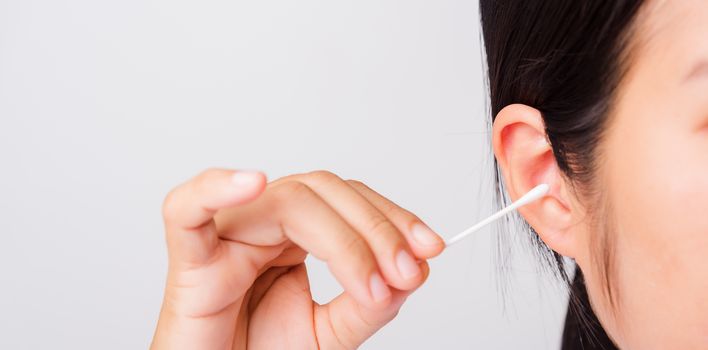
665,241
659,197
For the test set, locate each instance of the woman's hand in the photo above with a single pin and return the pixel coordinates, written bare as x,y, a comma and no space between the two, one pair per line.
237,277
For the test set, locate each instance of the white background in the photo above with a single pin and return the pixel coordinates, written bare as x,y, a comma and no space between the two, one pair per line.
106,105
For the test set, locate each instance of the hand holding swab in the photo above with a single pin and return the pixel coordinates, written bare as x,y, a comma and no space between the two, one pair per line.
535,193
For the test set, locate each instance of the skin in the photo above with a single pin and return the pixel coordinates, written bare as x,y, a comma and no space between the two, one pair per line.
654,183
236,274
236,278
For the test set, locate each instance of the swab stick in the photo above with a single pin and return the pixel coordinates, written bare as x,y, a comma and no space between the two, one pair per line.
535,193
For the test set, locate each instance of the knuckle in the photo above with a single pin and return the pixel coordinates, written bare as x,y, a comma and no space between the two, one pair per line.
169,205
381,229
206,176
356,184
292,193
339,339
322,176
389,208
283,179
172,202
357,248
408,218
394,210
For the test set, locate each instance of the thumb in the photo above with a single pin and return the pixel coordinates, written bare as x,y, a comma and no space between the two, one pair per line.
188,209
344,323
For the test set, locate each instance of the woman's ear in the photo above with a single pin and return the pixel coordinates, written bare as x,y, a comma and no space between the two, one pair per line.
526,159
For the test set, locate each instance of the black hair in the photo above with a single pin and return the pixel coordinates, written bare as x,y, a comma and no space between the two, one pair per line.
566,59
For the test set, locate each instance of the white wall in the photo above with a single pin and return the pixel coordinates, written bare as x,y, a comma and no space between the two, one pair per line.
106,105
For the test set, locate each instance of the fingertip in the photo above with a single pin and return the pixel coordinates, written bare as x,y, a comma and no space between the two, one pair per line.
247,178
424,273
425,237
426,243
425,269
437,249
249,183
380,292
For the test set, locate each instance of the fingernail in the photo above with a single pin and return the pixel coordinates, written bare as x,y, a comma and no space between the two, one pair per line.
378,287
406,265
245,178
424,235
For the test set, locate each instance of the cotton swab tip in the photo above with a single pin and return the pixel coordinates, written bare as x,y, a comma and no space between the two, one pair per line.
535,193
532,195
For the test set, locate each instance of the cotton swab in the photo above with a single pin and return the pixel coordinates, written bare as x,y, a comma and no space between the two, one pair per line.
535,193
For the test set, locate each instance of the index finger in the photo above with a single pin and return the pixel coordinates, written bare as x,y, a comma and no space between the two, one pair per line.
423,241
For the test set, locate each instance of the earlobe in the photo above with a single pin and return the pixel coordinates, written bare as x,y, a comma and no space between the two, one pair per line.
526,160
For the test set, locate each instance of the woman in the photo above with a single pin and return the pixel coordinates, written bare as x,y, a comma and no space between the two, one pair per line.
606,101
